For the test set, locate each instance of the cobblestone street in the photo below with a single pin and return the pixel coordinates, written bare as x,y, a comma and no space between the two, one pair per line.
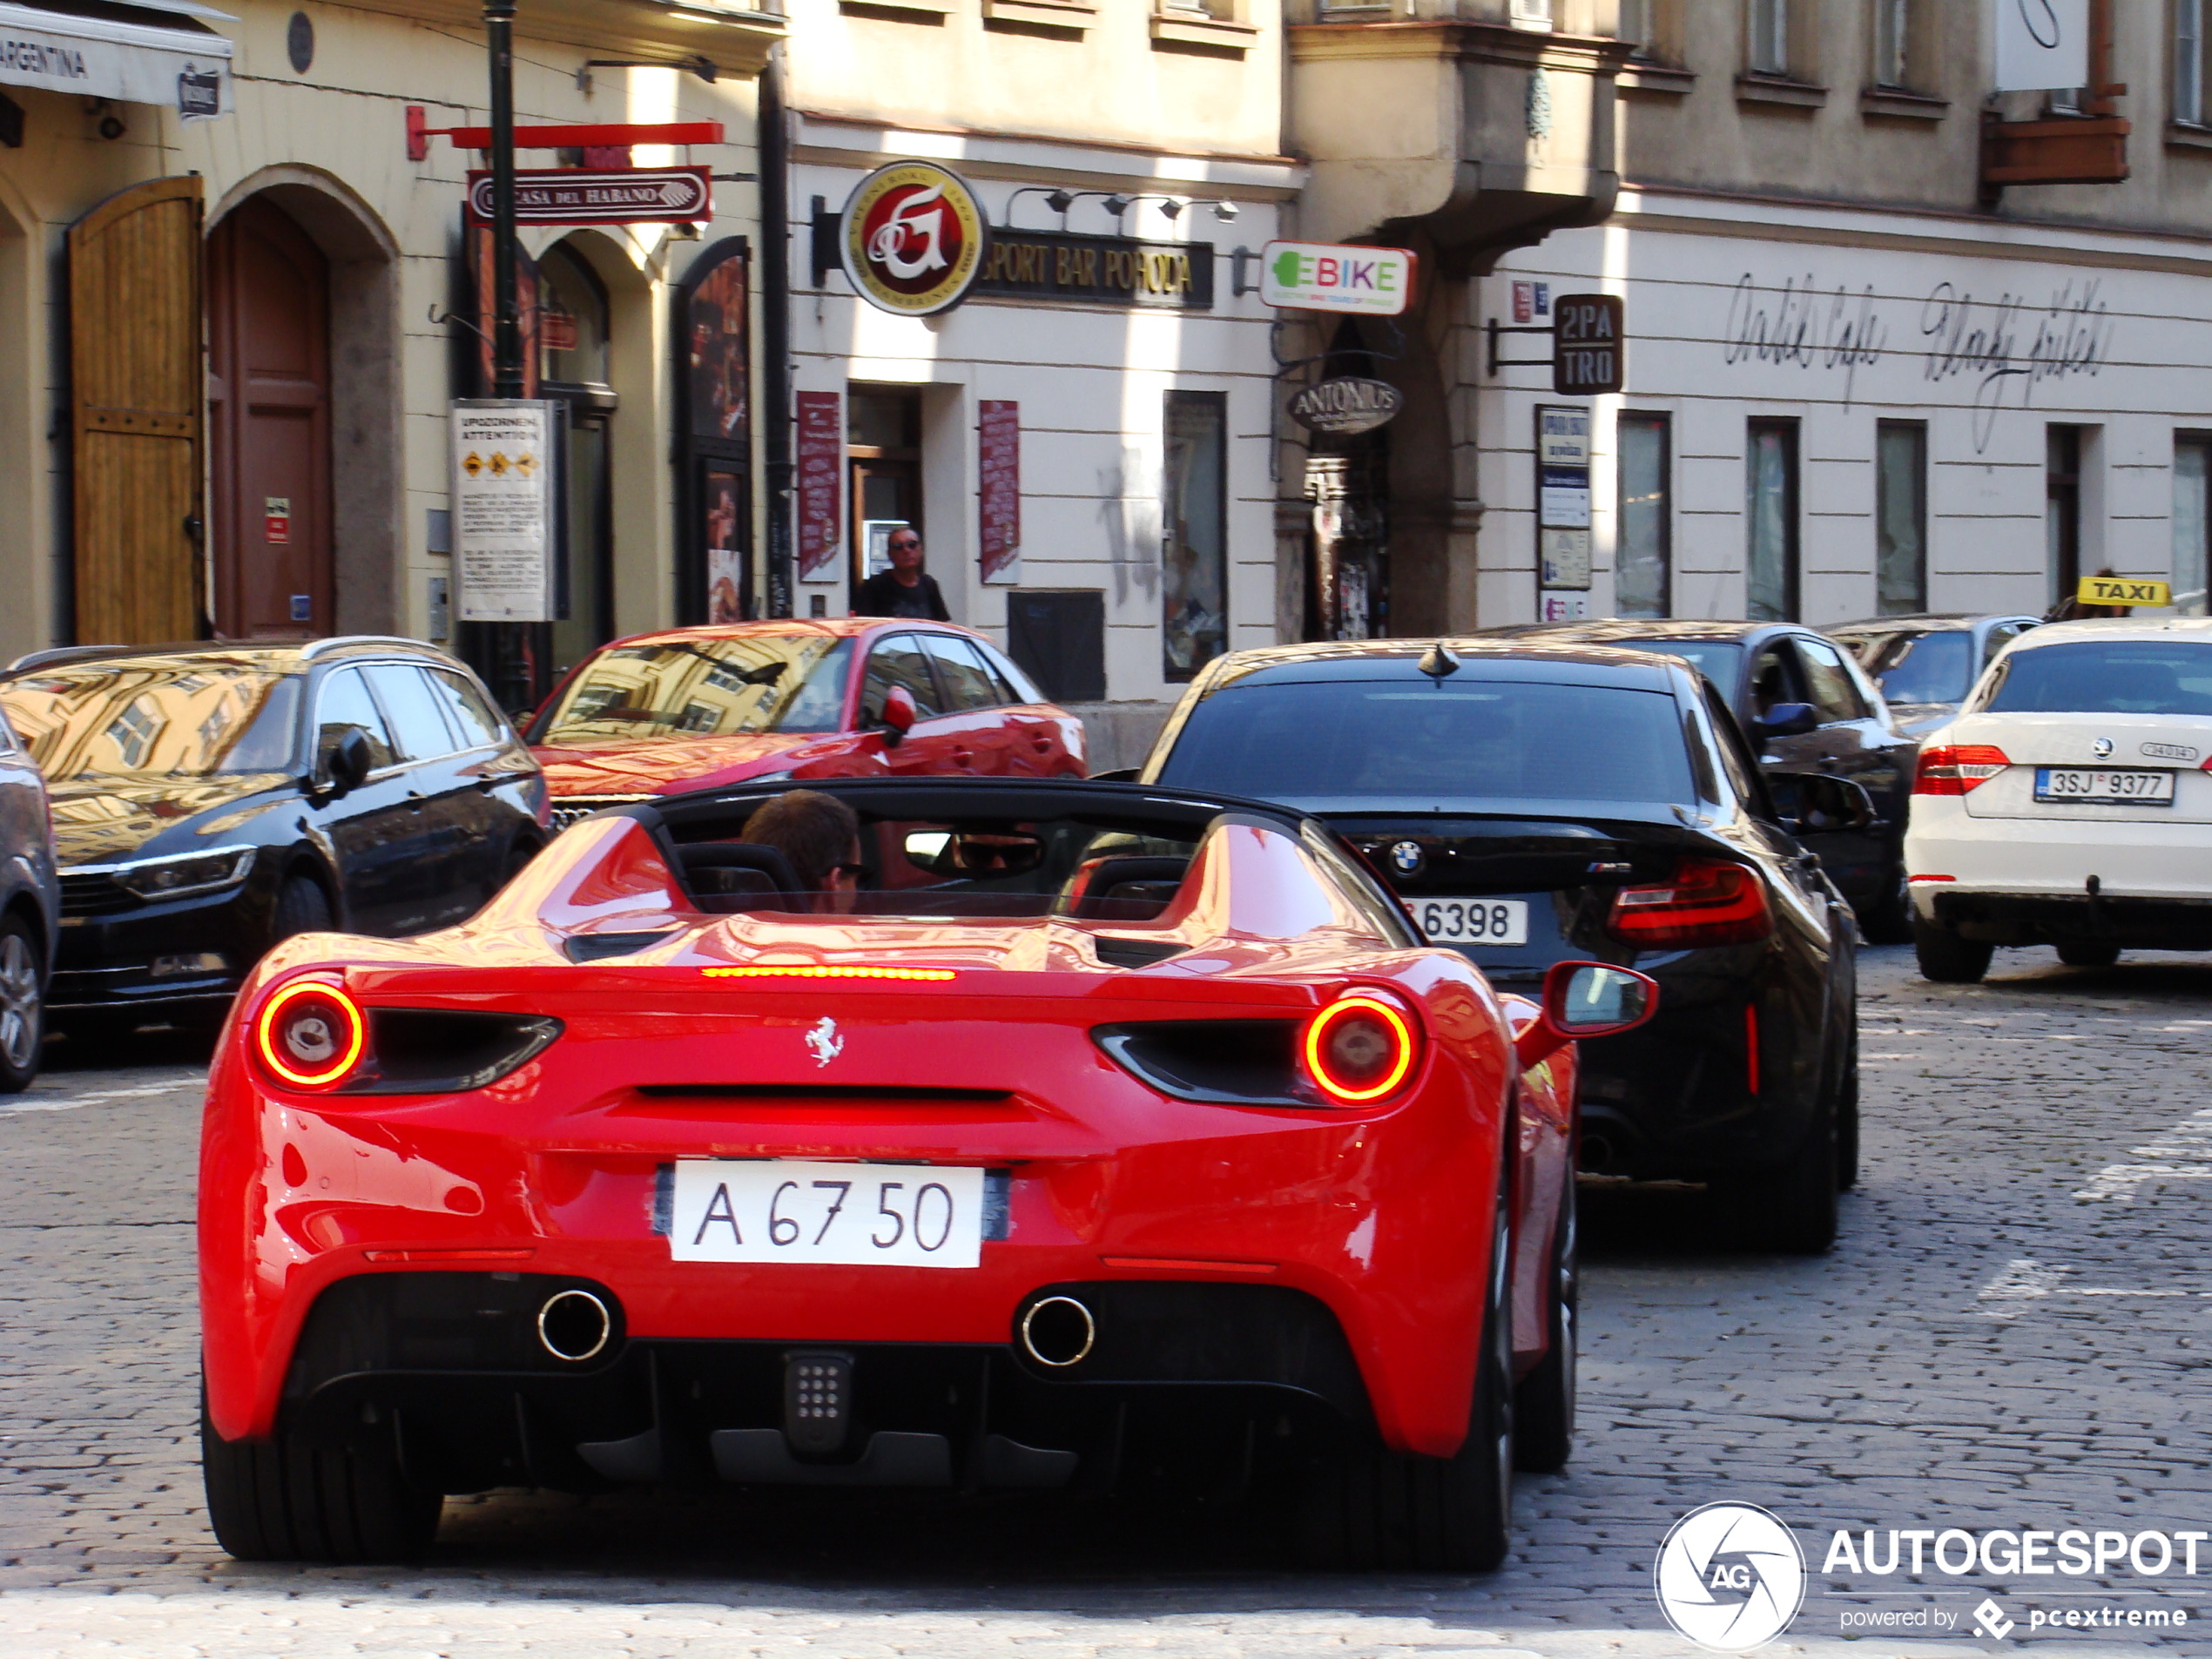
2007,1335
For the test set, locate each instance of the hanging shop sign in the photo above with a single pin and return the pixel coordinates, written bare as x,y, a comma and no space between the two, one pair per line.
600,196
911,238
998,489
505,536
1331,276
1589,334
1345,405
186,70
1097,270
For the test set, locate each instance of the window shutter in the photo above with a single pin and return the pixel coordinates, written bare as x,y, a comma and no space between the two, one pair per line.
136,395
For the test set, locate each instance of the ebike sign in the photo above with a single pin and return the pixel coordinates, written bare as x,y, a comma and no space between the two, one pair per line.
911,239
1331,276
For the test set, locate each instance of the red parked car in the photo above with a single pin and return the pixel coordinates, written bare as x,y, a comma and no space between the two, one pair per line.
693,708
1105,1136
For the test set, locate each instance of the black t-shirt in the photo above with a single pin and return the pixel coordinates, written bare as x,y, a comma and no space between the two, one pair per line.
884,594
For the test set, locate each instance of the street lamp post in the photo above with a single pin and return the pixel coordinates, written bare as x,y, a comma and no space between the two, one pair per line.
506,322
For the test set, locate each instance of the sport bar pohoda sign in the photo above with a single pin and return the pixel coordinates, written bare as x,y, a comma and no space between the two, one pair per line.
600,196
1589,354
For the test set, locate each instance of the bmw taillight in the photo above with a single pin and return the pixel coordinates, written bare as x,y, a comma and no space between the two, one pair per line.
310,1035
1957,769
1704,902
1359,1048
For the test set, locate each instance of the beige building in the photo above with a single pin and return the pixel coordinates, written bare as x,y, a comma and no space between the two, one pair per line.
234,308
1108,371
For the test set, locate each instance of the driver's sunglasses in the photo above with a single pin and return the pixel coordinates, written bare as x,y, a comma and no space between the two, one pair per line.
904,547
856,871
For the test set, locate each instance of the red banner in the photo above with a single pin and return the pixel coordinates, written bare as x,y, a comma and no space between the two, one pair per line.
821,484
999,487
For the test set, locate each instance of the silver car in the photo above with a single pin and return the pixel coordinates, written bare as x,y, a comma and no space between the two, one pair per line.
1926,665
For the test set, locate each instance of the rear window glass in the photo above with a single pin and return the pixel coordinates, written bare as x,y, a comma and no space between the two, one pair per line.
1924,668
2106,676
1466,740
1718,660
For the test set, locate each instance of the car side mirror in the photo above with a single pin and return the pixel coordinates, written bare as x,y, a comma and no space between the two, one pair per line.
1585,1000
1813,803
351,761
899,716
1786,720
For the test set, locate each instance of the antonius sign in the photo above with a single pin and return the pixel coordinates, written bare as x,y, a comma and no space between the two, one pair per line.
1588,344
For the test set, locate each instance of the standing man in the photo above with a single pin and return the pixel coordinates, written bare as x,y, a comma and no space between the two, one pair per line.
905,590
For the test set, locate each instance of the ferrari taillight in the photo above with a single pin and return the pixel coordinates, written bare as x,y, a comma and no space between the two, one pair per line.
1957,769
1704,902
1360,1048
310,1035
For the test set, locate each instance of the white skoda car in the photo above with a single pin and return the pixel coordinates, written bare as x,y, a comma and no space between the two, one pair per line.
2069,803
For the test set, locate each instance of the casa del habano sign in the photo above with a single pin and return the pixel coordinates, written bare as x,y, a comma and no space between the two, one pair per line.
912,240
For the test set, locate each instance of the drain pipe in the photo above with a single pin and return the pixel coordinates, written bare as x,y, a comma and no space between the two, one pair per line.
775,331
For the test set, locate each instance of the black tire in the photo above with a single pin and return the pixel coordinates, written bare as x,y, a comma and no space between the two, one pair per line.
2088,953
518,859
281,1500
23,1004
1847,1114
1543,1401
301,907
1888,920
1787,1208
1366,1506
1947,959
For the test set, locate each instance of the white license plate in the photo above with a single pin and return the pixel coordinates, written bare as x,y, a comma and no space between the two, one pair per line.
1471,921
2104,788
837,1214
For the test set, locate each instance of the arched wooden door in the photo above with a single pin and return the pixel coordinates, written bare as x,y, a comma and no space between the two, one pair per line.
134,289
268,391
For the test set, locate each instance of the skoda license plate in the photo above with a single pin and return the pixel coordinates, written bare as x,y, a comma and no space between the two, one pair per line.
845,1215
1471,921
2101,788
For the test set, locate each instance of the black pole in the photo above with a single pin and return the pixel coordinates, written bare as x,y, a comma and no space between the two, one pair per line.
507,322
775,333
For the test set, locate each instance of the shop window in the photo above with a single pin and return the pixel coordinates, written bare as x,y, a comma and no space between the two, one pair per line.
573,342
714,544
883,448
1770,519
2192,520
1900,518
2062,511
1059,640
1644,554
1194,551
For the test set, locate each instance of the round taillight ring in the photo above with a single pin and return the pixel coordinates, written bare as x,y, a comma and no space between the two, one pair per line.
1360,1048
310,1033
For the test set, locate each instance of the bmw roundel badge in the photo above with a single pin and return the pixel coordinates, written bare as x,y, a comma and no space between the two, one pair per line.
1405,857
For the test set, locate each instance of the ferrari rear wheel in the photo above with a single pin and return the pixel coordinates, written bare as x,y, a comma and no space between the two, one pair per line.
282,1500
1543,1401
1369,1507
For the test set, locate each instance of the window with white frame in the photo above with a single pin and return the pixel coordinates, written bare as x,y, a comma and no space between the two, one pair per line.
1891,17
1770,43
1530,14
2189,107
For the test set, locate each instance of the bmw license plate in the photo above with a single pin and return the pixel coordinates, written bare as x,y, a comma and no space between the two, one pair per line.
1471,921
842,1215
2101,788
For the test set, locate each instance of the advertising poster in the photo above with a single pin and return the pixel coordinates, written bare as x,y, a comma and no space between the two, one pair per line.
999,489
821,485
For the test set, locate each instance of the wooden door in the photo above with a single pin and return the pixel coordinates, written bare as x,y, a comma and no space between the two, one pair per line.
136,422
268,394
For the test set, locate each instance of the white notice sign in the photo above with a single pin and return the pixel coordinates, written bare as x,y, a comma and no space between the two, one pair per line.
1564,559
2042,45
1562,435
503,500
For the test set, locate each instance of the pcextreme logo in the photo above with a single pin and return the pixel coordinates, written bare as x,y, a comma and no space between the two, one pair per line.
1729,1576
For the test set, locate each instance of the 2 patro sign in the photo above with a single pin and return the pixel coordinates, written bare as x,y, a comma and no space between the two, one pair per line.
1588,344
911,238
1332,276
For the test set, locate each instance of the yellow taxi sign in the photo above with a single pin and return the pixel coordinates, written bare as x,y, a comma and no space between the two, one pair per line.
2122,591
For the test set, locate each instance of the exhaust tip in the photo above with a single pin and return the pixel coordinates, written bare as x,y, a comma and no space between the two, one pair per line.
1058,1331
574,1325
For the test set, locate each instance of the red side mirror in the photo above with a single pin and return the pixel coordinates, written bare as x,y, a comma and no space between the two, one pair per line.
899,714
1585,1000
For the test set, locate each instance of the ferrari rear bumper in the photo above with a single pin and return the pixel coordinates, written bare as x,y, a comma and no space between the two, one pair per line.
1215,1379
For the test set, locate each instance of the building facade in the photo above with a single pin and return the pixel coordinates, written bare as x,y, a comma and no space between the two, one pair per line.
1083,440
237,298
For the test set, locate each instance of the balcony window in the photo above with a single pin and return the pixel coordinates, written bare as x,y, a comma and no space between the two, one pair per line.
1530,14
1636,26
2188,62
1891,19
1769,26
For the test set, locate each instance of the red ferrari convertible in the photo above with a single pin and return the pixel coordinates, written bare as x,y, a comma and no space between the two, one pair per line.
1072,1135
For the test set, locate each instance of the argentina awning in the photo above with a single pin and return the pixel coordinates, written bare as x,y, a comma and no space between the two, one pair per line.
156,52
